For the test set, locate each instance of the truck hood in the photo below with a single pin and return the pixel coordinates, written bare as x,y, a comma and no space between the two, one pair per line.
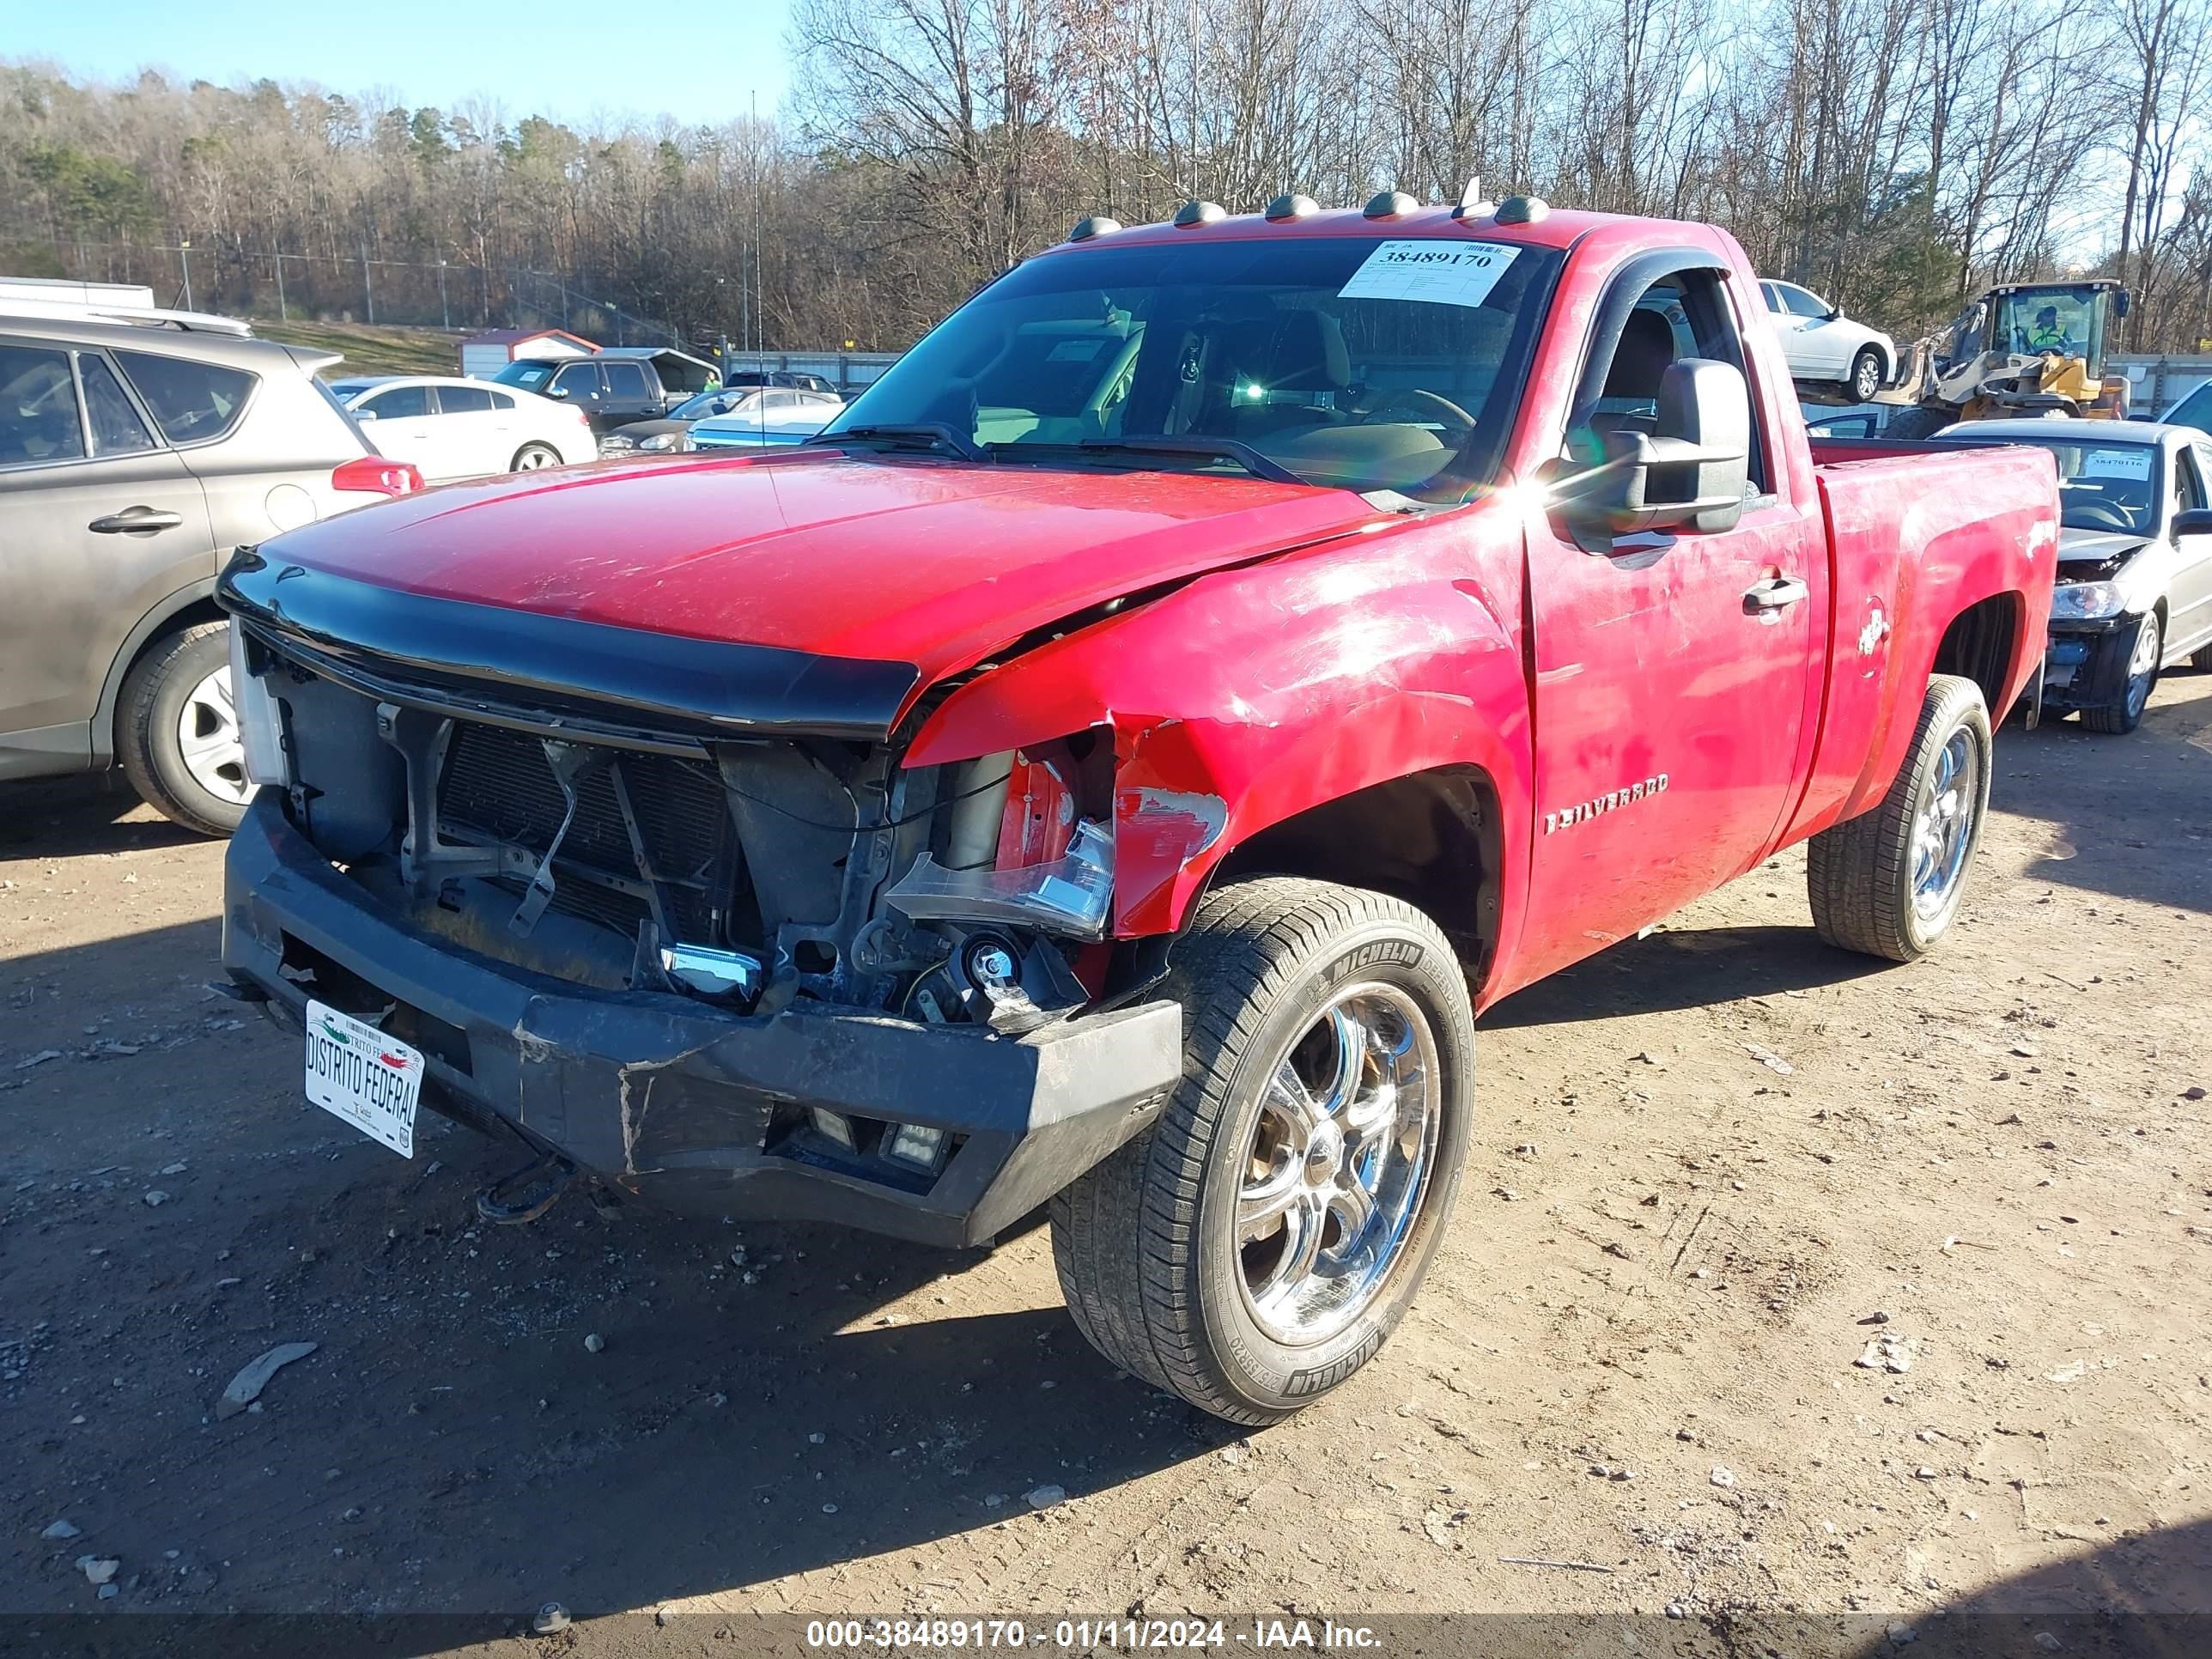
2096,546
913,561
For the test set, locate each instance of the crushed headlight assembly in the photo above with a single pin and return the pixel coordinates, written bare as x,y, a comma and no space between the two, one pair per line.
260,721
1071,895
2087,601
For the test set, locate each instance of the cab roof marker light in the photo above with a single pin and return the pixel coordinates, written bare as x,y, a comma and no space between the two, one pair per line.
1286,209
1390,204
1098,225
1195,212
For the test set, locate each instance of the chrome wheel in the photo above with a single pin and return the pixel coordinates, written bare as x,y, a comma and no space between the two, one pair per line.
208,741
1866,377
534,458
1338,1165
2142,665
1943,828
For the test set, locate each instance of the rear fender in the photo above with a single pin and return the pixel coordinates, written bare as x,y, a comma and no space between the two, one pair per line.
1252,696
1919,540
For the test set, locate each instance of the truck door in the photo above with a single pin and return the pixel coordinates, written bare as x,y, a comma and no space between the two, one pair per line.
1673,668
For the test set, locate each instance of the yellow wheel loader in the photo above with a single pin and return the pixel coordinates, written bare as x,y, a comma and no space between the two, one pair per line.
2023,348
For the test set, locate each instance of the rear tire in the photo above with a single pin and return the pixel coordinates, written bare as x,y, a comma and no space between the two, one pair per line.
176,735
1908,424
1866,376
1328,1044
2145,651
1888,882
532,458
2201,660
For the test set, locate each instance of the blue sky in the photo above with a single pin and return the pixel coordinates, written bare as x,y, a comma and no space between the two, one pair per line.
556,58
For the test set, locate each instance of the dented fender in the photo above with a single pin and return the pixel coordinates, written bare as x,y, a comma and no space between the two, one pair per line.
1252,694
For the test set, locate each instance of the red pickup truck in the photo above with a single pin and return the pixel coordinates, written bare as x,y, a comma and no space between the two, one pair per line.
1117,763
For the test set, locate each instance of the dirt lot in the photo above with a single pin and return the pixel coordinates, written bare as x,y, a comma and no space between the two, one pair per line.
1742,1158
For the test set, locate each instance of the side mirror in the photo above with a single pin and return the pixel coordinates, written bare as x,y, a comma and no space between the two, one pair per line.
2197,521
1831,313
556,390
1690,470
365,415
2119,302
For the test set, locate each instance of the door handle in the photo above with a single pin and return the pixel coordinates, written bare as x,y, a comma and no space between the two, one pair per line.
1775,594
135,520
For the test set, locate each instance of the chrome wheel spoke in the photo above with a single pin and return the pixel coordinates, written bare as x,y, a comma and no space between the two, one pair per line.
1261,1205
1351,1061
1353,1207
1338,1163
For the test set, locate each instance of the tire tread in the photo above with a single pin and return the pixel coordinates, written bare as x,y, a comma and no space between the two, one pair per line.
1125,1235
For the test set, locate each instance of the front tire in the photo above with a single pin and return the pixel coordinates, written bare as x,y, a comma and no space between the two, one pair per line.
1866,375
1255,1247
1888,882
2145,651
176,730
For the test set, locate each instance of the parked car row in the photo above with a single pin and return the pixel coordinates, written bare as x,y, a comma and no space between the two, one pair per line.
2134,591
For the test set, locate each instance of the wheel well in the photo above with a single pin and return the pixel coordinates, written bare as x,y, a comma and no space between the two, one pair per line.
1430,838
1978,645
189,615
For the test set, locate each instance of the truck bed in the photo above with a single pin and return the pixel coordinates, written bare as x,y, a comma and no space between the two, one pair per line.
1921,532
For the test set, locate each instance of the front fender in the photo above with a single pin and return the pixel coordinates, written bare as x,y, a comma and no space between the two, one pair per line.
1251,695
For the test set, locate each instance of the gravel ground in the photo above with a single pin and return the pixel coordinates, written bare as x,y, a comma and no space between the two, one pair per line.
1784,1285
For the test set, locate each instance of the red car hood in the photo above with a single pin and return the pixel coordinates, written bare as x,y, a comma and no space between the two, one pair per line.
911,561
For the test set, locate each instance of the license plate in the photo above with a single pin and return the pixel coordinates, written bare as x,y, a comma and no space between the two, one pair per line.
356,1072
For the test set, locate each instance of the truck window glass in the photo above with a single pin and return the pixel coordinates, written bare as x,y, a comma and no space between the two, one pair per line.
116,428
1684,315
627,381
38,408
192,402
1253,340
578,380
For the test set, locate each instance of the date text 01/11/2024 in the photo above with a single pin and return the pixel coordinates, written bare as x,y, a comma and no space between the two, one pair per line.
1086,1635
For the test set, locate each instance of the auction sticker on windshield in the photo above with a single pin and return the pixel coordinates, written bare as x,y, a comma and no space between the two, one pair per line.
1440,272
356,1072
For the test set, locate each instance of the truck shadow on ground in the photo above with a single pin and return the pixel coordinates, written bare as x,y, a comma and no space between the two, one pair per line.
452,1447
2147,1595
2117,805
1684,968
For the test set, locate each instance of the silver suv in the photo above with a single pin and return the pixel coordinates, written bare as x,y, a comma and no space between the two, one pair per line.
133,455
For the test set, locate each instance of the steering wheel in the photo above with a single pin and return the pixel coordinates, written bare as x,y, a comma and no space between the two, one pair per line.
2104,514
1428,403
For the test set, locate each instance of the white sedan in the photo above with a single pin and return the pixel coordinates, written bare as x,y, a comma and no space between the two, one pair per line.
1823,345
773,418
456,429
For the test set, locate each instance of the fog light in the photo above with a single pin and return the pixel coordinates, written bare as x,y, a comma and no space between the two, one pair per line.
834,1125
919,1145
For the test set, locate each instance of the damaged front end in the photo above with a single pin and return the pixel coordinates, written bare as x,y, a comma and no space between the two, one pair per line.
677,910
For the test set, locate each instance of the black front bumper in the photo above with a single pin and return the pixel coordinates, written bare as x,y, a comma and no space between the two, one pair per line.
691,1107
2086,665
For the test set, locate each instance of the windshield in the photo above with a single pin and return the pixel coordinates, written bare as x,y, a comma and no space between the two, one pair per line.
529,376
2049,319
2107,486
1364,363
